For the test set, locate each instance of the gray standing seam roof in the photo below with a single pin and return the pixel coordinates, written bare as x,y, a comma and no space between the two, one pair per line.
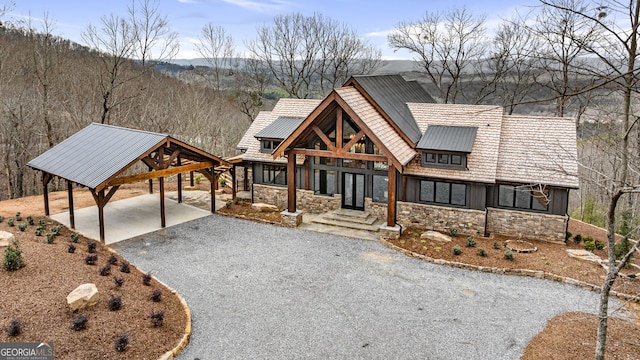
280,128
392,93
96,153
448,138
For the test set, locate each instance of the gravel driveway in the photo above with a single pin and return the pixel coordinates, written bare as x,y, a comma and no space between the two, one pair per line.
258,291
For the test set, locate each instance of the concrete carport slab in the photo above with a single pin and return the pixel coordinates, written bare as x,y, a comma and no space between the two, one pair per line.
128,218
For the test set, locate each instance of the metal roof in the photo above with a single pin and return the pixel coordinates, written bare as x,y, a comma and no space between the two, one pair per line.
98,152
392,93
448,138
280,128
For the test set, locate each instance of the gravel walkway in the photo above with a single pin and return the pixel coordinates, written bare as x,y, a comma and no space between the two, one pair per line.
264,292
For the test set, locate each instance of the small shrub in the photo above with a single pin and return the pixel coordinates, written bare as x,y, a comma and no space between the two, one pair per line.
471,242
453,232
11,222
1,219
105,270
39,232
22,227
599,245
125,267
42,223
115,302
577,239
91,259
13,259
18,216
75,237
228,204
223,181
79,322
236,201
56,230
113,259
567,236
30,220
244,202
457,250
587,238
91,246
157,317
496,245
482,252
118,280
156,295
14,328
51,238
71,248
508,255
589,245
146,279
121,342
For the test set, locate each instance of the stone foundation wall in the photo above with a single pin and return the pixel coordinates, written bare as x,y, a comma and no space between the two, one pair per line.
440,218
527,225
375,208
305,199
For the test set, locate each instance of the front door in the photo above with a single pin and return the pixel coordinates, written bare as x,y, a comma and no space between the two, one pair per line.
353,191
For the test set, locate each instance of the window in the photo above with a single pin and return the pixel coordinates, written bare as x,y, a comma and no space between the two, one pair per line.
274,174
443,192
444,160
267,146
380,188
324,182
523,197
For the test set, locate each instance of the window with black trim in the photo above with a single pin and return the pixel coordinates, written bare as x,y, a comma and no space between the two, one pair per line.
443,192
274,174
455,161
523,197
267,146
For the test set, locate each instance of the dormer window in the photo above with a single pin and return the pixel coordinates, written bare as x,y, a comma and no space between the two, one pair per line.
267,145
446,146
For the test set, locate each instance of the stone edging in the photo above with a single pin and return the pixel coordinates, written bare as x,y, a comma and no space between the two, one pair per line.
187,330
507,271
249,218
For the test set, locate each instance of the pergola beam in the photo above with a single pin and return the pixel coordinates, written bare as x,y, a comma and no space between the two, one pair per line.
158,174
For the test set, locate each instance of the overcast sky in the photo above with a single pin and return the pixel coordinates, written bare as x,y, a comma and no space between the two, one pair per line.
373,19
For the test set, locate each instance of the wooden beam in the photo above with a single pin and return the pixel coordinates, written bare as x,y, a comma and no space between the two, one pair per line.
339,128
291,182
99,197
110,194
209,174
391,197
245,185
331,154
158,173
305,166
72,220
323,137
151,163
352,142
173,156
191,174
163,221
179,183
46,178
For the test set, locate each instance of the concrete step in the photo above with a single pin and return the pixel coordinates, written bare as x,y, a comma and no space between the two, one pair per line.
360,218
373,226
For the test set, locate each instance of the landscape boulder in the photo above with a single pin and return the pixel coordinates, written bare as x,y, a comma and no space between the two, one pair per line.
5,238
262,207
83,296
435,236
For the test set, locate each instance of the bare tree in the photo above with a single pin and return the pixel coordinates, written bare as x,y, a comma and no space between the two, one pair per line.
216,47
447,45
308,55
153,37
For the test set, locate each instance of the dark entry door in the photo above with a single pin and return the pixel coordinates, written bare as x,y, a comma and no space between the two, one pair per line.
353,191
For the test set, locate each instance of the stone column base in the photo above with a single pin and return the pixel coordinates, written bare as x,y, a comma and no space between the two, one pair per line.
390,232
291,219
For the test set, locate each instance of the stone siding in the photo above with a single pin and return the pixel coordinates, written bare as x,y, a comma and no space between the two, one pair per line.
440,218
305,199
376,208
527,225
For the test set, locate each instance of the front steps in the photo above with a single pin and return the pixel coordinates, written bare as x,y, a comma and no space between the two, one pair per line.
352,219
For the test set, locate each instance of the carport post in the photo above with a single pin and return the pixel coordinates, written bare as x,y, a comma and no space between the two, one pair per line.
46,177
72,221
163,221
179,183
213,190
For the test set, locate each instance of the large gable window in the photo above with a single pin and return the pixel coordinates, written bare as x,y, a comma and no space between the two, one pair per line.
523,197
440,192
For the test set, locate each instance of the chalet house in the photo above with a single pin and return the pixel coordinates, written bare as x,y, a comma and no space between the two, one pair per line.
382,145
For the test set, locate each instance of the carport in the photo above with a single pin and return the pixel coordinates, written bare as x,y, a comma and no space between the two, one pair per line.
103,157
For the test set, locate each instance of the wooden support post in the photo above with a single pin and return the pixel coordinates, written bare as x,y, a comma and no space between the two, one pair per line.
163,221
391,197
46,177
191,179
179,183
213,192
233,182
72,220
150,186
246,178
291,182
100,203
306,174
339,128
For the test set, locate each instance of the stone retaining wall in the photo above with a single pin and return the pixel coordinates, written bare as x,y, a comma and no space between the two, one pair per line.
527,225
440,218
305,199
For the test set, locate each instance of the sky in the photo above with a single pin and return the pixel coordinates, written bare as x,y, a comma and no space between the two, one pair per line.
372,19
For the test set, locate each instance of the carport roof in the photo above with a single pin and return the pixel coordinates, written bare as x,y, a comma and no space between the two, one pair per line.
98,153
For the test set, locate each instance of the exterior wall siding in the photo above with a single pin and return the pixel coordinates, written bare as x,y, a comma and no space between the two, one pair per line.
441,218
527,225
305,199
